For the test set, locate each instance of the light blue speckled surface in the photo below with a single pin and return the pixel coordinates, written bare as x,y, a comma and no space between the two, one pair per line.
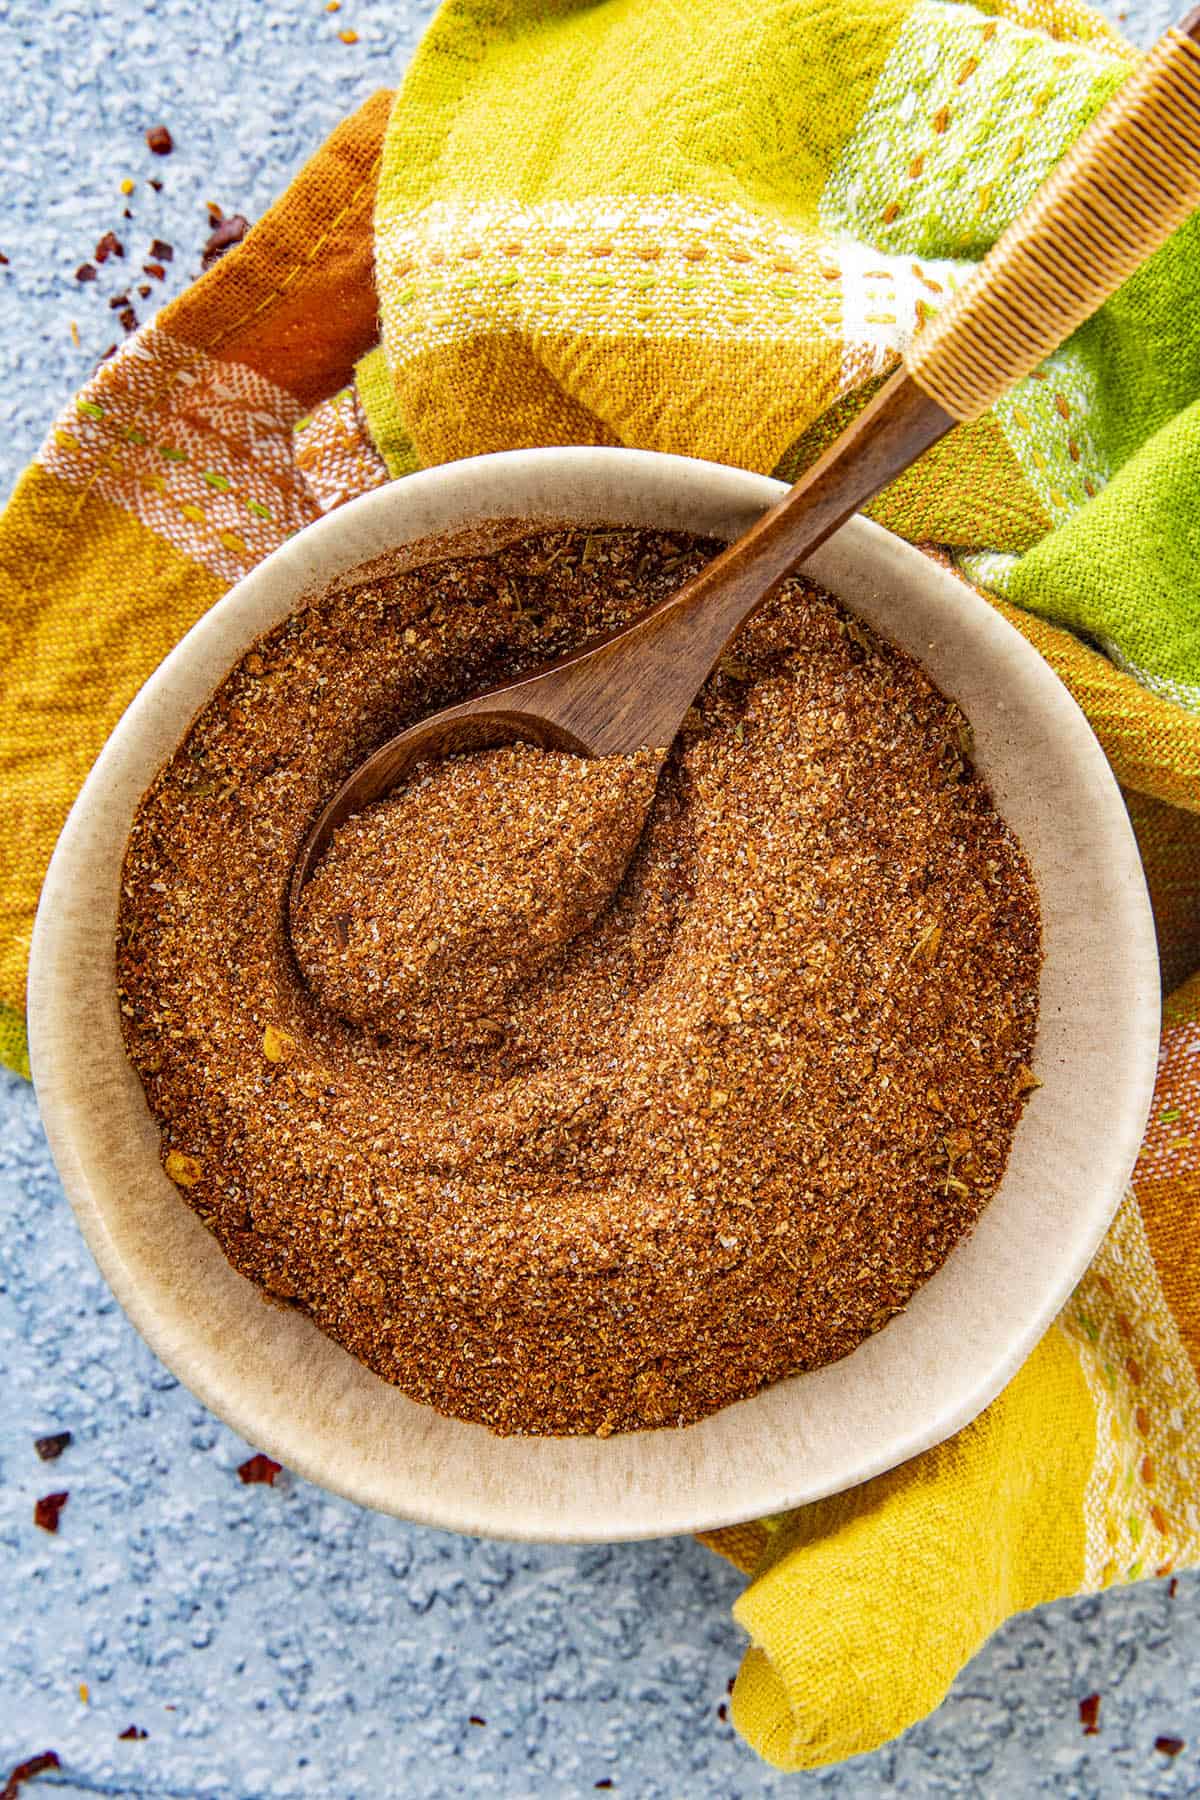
276,1642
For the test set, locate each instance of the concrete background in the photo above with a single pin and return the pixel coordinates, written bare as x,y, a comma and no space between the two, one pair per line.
278,1642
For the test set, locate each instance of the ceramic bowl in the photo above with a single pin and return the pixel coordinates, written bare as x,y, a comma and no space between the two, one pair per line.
292,1392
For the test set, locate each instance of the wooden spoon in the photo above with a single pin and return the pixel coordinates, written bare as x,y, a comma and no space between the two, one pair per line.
1129,181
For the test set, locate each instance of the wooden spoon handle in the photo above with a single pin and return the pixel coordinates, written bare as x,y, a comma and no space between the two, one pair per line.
595,696
1129,181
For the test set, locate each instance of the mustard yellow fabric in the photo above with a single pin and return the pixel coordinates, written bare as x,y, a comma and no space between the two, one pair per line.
913,1571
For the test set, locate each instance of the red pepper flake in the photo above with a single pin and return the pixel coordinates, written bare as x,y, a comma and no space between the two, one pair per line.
228,233
159,139
1089,1715
51,1448
162,252
85,272
1169,1746
476,1720
109,245
156,185
259,1468
156,269
132,1733
722,1712
1172,1587
26,1771
128,319
144,289
605,1781
47,1509
3,260
729,1684
118,300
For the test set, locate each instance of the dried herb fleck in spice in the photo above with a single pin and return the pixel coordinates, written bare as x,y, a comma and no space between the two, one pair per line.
159,140
1089,1715
719,1134
109,245
132,1733
1170,1746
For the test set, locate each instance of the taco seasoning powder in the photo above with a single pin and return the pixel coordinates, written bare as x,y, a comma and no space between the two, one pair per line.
654,1148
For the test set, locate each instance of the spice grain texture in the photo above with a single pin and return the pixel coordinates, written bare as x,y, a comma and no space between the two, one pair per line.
675,1142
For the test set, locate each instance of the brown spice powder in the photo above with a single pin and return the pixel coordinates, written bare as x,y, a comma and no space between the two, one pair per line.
719,1134
427,909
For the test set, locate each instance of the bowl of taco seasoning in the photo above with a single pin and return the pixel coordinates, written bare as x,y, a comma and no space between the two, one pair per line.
602,1148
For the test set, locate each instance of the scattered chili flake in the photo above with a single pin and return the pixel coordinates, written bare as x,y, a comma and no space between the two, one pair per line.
259,1468
228,233
144,289
117,301
126,214
1172,1587
85,272
605,1781
109,245
156,185
47,1509
132,1733
1169,1746
128,319
51,1447
729,1684
161,252
156,269
26,1771
722,1712
159,139
3,260
1089,1715
476,1720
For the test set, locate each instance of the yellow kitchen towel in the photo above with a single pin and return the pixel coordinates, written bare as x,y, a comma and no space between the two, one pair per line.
710,230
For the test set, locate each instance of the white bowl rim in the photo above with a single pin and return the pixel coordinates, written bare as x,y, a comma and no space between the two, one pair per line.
744,1498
